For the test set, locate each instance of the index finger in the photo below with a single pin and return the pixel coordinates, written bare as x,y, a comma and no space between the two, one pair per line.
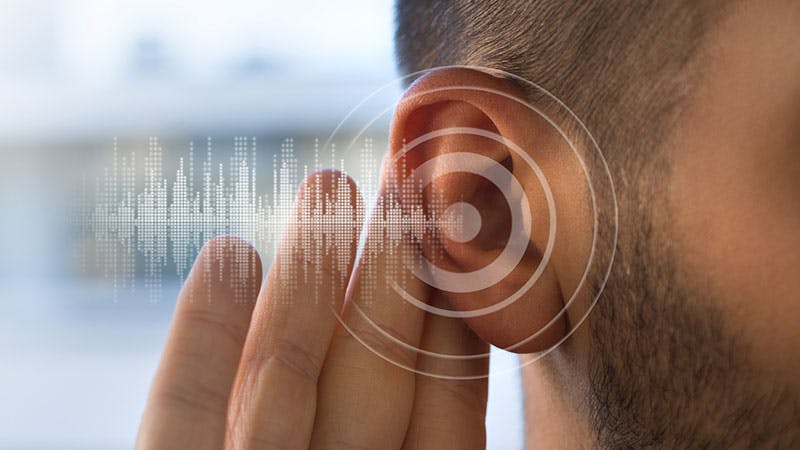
275,393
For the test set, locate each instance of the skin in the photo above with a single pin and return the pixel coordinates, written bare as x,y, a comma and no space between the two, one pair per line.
737,171
270,368
729,212
275,370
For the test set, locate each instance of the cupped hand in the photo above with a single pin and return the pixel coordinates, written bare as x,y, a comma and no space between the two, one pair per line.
269,366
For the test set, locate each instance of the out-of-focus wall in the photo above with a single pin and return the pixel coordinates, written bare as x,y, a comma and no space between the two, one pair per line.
75,75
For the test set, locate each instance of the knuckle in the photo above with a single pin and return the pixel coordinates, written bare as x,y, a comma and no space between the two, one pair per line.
266,443
347,444
297,360
215,324
385,341
465,392
287,358
195,394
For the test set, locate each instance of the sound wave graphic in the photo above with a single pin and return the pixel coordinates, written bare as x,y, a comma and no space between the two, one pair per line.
144,223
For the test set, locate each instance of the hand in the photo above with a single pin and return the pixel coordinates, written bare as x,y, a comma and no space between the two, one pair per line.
251,366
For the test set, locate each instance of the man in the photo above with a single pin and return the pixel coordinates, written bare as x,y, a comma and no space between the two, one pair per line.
693,342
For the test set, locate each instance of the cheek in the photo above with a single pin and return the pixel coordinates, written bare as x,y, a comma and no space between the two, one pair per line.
736,224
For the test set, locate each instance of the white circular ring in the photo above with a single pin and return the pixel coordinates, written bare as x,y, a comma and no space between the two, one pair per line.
551,237
465,215
514,250
615,218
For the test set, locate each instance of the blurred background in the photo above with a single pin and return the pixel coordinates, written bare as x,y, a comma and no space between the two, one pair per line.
76,358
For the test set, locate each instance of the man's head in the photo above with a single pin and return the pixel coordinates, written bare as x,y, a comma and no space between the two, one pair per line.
693,342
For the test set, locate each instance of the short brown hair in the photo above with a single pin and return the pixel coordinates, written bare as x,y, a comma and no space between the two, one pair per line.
626,69
622,67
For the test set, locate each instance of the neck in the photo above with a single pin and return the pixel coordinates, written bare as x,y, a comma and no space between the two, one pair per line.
554,417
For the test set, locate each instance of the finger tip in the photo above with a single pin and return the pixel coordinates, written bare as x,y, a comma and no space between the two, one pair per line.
331,191
328,181
230,264
229,248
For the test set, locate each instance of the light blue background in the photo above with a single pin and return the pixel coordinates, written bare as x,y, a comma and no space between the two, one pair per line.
75,365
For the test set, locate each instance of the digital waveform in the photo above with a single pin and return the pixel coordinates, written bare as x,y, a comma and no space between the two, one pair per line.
145,223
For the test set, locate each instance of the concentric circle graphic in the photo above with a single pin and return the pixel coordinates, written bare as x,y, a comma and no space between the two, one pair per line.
465,161
471,222
514,250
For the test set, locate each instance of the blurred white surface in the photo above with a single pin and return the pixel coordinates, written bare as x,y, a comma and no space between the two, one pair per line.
75,366
76,375
78,67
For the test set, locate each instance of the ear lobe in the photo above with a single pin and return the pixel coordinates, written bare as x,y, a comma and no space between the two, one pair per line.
439,115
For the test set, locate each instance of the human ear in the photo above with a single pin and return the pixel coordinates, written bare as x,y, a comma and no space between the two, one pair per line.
495,169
